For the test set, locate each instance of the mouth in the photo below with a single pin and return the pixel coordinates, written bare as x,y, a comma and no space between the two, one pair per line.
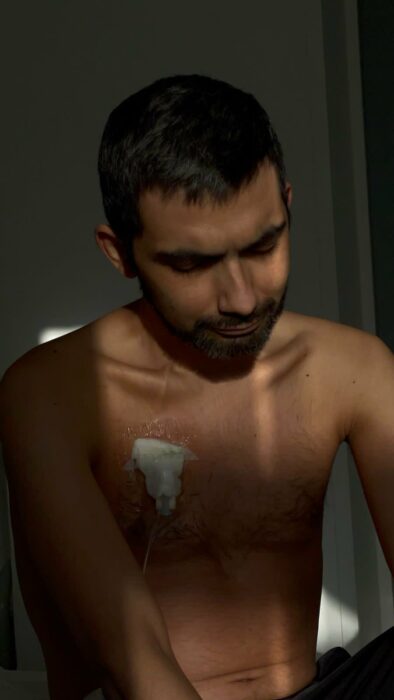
237,330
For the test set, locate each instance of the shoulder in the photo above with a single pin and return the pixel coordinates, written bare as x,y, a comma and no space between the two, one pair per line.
351,362
68,371
53,374
69,354
328,335
45,363
340,346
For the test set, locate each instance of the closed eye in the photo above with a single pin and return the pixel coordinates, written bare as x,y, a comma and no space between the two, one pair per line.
199,266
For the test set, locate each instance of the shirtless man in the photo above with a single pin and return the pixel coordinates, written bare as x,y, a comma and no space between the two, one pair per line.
208,359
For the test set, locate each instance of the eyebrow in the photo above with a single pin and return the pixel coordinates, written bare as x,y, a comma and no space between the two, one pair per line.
187,254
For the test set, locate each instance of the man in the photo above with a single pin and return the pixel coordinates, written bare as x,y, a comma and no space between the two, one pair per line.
220,599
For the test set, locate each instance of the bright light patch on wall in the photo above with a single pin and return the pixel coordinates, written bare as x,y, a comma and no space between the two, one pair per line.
51,333
338,623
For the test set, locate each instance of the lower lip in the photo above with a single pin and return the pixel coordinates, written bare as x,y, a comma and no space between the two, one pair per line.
234,331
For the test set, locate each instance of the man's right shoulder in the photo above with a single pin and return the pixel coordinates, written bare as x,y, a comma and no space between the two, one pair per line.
44,374
36,364
42,362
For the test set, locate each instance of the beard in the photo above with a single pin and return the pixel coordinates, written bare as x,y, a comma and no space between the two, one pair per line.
203,338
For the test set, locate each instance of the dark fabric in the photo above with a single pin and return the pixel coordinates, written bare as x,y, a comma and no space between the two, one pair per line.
367,675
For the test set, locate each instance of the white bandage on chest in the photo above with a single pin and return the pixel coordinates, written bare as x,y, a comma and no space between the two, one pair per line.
162,464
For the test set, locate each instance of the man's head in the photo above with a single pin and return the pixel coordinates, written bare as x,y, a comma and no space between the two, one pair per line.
192,165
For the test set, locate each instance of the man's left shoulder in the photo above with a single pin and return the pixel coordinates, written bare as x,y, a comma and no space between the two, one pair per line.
357,341
341,340
353,362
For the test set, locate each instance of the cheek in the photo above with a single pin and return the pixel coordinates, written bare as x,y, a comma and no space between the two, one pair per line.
276,274
194,296
181,299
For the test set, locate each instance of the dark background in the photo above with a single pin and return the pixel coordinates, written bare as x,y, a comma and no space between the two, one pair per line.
376,31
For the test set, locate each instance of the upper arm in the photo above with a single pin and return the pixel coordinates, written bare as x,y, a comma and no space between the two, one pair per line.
66,524
371,435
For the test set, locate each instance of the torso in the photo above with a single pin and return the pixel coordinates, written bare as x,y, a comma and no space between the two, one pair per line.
238,571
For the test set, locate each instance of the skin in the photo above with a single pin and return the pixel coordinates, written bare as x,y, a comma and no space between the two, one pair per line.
236,289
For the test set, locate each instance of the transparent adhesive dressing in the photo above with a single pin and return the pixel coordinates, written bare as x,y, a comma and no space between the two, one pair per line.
162,464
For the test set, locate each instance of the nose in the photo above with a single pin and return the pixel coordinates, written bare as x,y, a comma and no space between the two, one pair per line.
236,290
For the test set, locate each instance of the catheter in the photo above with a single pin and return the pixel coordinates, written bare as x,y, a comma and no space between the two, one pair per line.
162,463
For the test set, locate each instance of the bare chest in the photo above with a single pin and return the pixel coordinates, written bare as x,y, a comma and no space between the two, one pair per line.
264,455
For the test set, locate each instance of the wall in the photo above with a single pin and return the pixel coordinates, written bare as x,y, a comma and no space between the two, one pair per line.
376,26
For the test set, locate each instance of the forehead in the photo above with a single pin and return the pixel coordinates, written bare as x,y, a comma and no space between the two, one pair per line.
259,203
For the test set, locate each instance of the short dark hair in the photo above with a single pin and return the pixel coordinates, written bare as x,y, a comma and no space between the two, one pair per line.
182,132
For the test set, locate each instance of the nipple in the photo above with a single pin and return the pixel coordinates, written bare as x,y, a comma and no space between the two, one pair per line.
162,464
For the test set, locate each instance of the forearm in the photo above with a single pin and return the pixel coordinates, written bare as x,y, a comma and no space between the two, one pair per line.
125,659
153,675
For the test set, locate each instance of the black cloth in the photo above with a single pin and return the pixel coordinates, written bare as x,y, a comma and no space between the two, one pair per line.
367,675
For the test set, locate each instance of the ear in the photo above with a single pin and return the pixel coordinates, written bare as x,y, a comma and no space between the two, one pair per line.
289,193
113,249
